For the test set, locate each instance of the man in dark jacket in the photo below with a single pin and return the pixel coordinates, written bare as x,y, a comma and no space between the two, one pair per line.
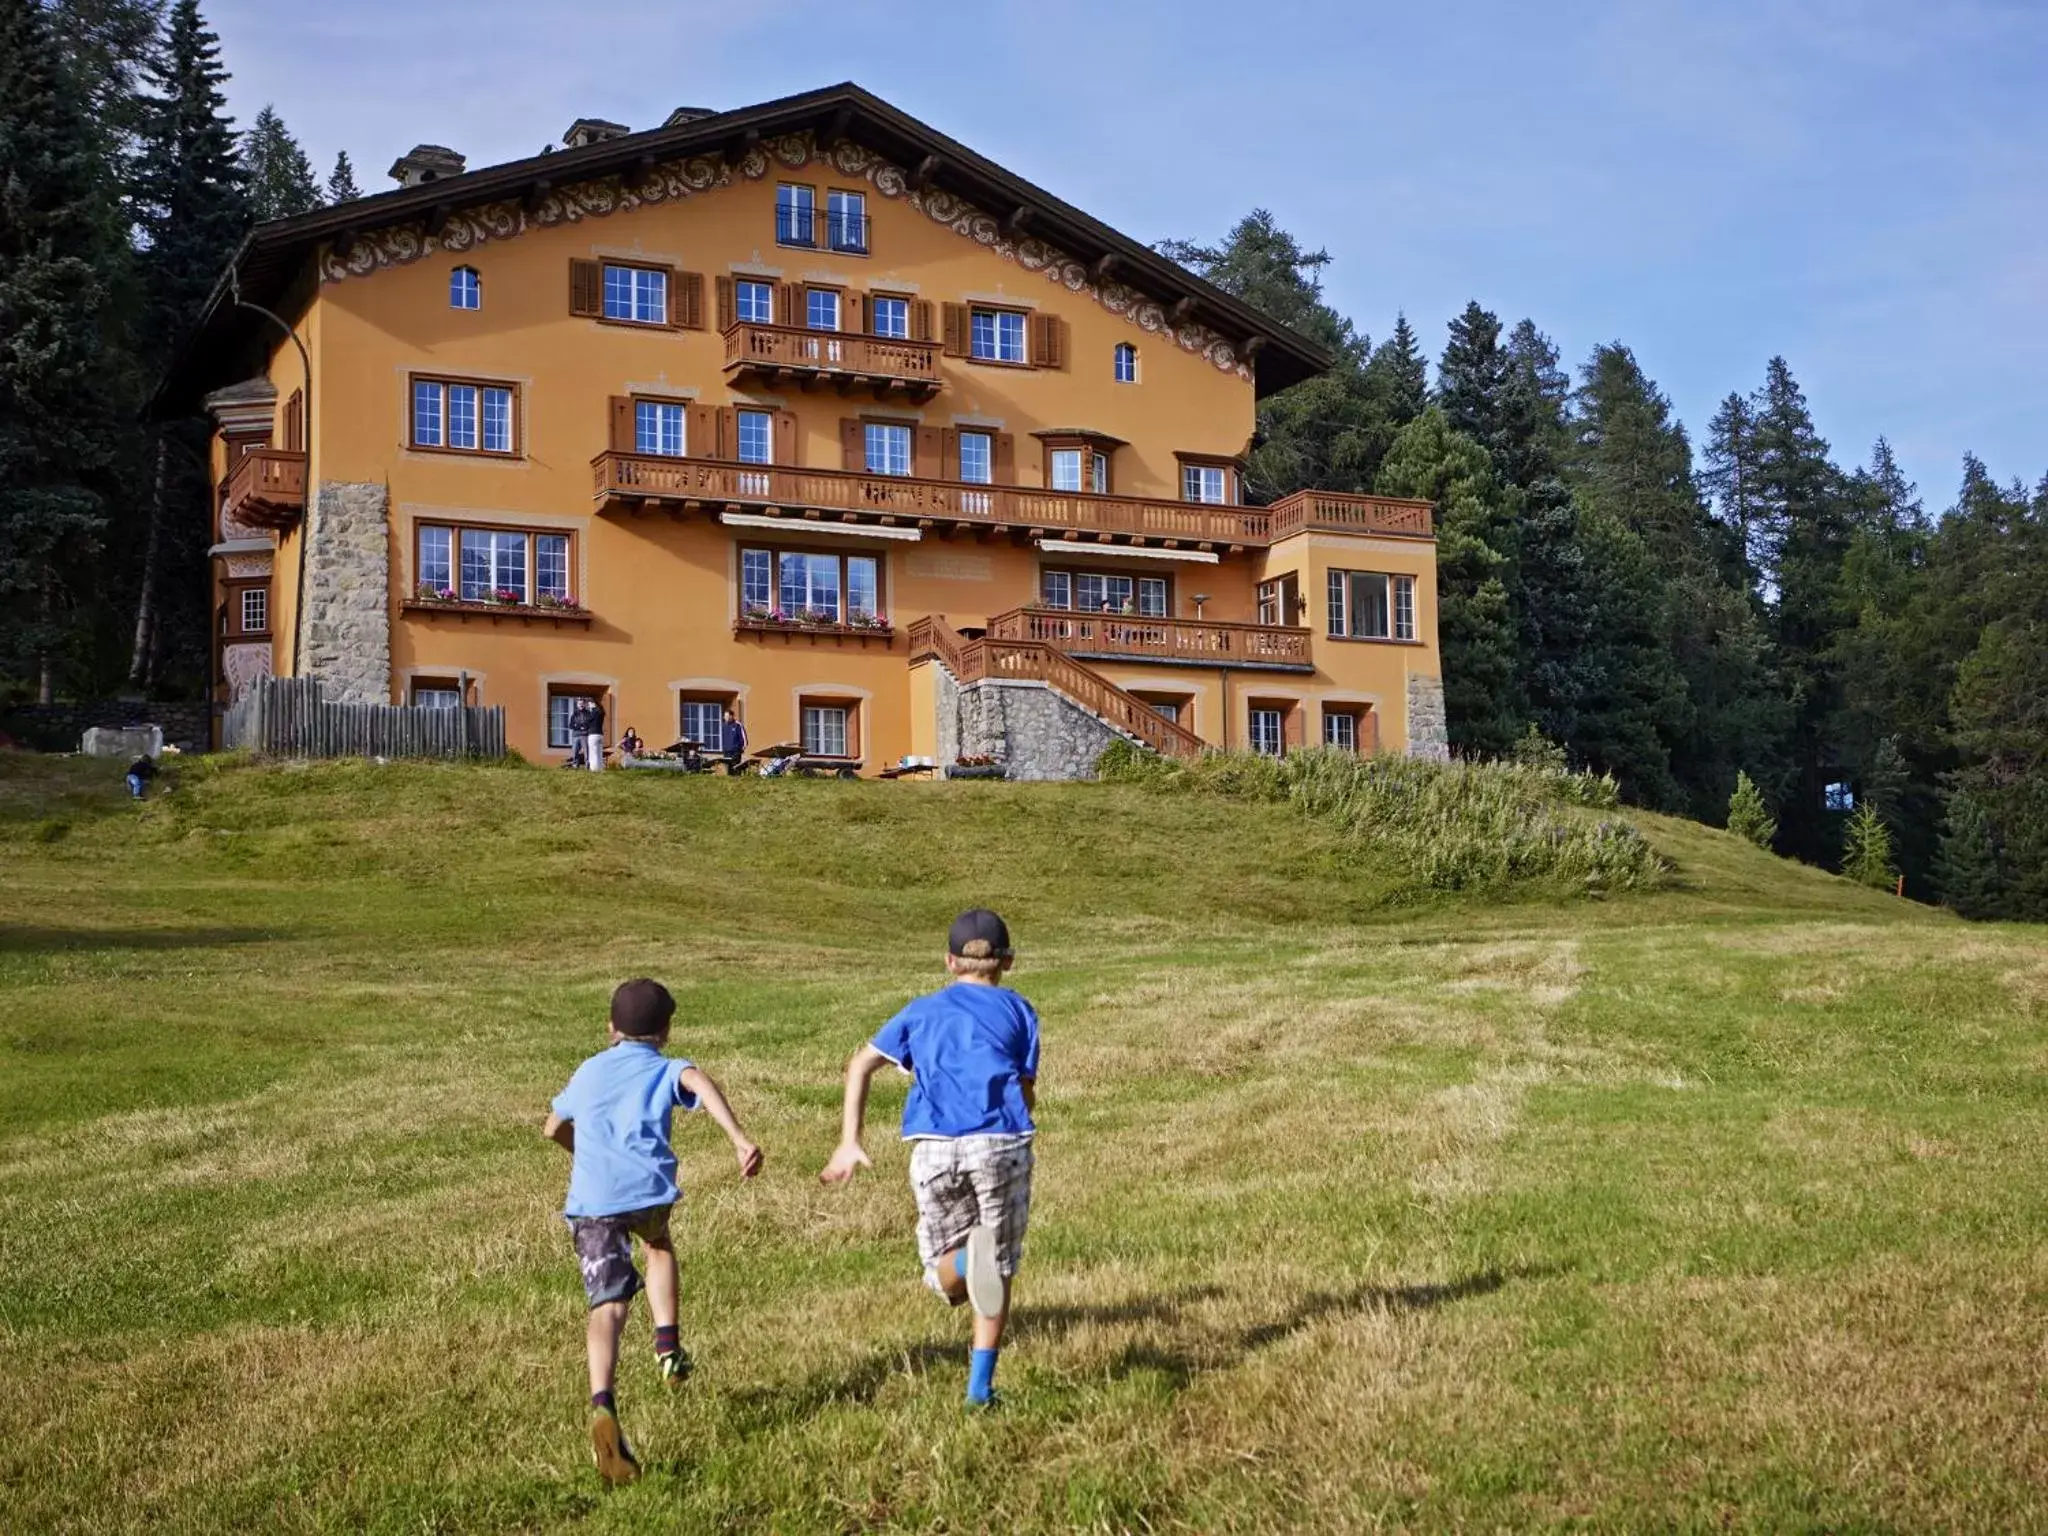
733,741
593,738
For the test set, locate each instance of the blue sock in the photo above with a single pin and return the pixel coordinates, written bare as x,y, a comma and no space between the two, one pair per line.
981,1376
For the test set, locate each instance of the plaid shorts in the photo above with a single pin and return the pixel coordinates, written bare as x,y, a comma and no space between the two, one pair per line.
967,1181
604,1250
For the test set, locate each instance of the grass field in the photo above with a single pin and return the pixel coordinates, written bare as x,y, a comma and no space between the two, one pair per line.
1716,1207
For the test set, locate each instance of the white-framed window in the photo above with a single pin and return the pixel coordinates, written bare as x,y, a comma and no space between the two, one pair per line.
435,695
703,721
1204,482
1268,732
825,730
1166,709
890,317
757,581
1152,596
562,704
1066,469
821,309
471,418
796,209
255,610
658,428
757,437
465,289
996,335
1098,473
551,566
1404,607
639,294
792,584
846,221
861,587
977,458
437,565
1126,363
1103,591
493,561
1340,731
754,301
1056,589
1370,605
888,448
808,584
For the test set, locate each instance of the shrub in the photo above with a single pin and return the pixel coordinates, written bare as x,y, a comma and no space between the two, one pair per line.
1535,750
1748,818
1867,850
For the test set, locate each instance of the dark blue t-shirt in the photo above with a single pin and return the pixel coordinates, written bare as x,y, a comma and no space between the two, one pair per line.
968,1050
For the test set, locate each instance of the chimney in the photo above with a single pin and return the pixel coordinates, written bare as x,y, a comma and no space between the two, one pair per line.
425,163
592,130
683,115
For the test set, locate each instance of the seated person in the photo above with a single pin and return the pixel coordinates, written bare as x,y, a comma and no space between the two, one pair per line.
630,743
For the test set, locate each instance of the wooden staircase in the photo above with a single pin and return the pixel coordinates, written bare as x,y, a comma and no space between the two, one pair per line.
974,661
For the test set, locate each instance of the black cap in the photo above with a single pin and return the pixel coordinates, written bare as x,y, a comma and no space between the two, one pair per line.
978,935
642,1008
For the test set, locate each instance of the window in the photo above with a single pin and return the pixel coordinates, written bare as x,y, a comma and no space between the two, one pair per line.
637,294
890,317
703,720
1126,363
561,704
808,584
658,428
821,309
1204,482
493,566
1340,730
1268,732
793,584
757,437
977,458
468,418
888,449
795,215
551,566
1166,709
436,568
757,581
255,610
996,336
1066,469
483,565
1104,591
754,301
465,289
1367,605
435,693
1098,473
825,730
846,221
1269,602
1839,797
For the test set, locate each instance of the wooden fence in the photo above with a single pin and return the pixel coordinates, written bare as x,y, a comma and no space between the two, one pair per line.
287,717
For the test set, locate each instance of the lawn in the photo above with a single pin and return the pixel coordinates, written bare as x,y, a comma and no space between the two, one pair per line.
1359,1205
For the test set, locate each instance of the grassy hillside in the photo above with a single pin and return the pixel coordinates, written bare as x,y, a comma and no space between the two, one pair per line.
1359,1202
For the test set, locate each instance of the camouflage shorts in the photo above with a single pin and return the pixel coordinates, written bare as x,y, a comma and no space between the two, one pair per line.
963,1182
604,1249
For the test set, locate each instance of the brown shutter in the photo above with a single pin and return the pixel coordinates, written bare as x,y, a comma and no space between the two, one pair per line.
920,319
1048,342
586,288
295,422
1006,459
700,437
622,424
853,444
787,438
728,306
958,331
1291,717
853,312
789,304
689,288
728,433
1368,731
949,454
926,461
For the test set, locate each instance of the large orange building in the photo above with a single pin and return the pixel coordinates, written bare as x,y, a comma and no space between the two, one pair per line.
803,411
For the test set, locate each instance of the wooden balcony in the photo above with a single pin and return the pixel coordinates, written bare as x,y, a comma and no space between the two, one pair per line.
266,489
848,360
1178,642
1341,512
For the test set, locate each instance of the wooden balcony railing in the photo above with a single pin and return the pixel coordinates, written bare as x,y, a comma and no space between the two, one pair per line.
266,489
882,362
1341,512
1156,639
972,661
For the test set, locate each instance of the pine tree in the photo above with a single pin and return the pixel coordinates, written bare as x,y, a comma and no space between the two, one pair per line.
1966,864
1401,374
1867,849
341,184
1748,817
1471,381
54,368
280,176
1731,479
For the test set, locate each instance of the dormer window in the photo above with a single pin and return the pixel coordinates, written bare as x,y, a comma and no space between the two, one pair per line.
465,289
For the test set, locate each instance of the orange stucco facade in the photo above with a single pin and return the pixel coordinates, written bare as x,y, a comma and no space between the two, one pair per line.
654,587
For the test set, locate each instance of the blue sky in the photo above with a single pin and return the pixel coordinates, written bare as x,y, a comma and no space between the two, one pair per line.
1857,184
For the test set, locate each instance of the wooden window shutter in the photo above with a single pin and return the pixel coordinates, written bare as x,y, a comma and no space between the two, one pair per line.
789,304
689,291
1291,718
728,432
1006,459
295,422
926,462
920,319
623,440
855,312
700,436
787,438
853,444
728,307
1369,731
958,331
586,288
949,454
1048,342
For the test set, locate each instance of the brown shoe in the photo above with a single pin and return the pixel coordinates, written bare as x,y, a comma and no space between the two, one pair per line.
615,1460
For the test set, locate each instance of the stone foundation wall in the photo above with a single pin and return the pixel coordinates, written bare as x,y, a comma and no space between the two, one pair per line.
1037,732
1428,736
347,622
60,727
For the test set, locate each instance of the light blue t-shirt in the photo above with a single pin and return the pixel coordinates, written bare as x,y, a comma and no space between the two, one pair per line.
620,1102
968,1050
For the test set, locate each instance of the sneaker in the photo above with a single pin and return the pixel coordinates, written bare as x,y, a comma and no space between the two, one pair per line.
675,1366
615,1460
984,1279
988,1404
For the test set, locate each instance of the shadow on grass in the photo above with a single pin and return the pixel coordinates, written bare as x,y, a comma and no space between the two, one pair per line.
22,941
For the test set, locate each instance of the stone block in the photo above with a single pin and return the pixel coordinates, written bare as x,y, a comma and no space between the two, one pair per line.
128,741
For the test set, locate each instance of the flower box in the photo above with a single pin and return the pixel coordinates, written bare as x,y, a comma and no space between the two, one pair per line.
556,611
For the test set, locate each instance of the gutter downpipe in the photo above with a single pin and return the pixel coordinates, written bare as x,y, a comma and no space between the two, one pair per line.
306,527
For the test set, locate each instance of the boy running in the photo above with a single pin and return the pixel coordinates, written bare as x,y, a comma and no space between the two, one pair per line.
613,1120
972,1052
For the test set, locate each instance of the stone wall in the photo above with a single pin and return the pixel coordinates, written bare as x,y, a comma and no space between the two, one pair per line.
60,727
347,622
1428,736
1037,732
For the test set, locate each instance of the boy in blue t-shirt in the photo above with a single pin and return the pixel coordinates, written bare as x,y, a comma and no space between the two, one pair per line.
972,1053
613,1120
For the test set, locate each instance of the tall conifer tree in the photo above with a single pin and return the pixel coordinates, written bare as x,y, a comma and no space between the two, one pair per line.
280,176
341,182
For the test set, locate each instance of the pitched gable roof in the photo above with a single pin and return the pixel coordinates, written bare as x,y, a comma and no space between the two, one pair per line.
276,259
